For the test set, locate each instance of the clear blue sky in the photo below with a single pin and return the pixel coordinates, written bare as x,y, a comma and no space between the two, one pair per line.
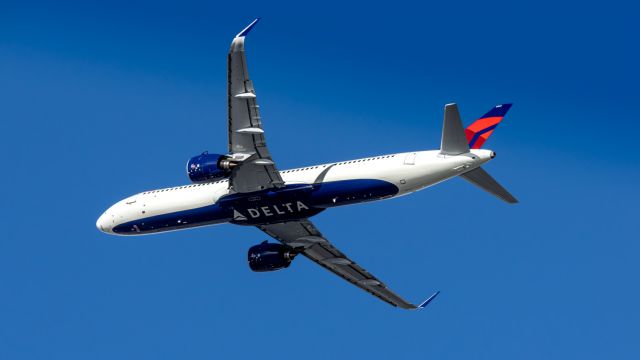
98,102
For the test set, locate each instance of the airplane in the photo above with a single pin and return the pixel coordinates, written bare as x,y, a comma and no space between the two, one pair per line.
244,186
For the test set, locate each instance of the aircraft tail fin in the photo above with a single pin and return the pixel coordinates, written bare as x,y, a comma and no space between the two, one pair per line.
478,132
484,181
454,141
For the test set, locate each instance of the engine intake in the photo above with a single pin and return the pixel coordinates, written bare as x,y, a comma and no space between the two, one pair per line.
208,167
270,257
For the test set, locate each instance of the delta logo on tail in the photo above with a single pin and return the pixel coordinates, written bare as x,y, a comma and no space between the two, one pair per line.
478,132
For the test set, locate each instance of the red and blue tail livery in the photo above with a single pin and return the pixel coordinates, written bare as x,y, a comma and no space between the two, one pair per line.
478,132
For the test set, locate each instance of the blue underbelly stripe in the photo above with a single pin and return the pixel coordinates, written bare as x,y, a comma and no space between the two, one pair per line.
292,202
207,215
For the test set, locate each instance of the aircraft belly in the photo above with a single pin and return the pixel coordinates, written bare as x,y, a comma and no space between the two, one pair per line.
300,201
345,192
292,202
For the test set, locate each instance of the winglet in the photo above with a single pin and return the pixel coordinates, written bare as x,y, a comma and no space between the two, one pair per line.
426,302
248,28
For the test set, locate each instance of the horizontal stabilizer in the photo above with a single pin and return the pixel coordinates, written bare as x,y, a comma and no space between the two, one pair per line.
454,141
483,180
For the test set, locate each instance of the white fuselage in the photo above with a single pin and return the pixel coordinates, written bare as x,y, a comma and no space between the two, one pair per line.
194,204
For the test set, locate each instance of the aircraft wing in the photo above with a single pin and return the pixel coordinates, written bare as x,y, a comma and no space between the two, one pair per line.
303,235
256,170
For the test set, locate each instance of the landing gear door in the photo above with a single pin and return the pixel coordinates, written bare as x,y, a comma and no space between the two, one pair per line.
410,159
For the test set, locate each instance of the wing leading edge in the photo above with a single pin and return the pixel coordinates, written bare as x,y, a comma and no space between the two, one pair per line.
303,235
256,170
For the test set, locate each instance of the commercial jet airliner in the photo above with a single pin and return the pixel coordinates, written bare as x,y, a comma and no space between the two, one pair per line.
244,186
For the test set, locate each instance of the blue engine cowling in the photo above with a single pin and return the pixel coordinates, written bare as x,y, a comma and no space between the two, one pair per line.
270,257
208,167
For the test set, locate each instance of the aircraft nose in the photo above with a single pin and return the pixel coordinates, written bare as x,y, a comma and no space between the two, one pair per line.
104,223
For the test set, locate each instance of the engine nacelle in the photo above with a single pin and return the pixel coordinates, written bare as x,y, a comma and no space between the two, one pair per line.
208,167
270,257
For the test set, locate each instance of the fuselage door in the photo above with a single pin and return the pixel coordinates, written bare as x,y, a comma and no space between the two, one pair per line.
410,159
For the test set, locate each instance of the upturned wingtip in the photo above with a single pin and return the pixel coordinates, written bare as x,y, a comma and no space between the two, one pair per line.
246,30
426,302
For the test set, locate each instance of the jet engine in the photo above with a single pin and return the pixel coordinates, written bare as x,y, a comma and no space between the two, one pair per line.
270,257
209,167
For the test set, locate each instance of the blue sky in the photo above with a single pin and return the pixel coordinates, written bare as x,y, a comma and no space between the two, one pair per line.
103,101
